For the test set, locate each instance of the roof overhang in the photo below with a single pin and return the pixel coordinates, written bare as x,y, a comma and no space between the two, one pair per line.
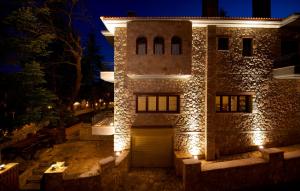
107,76
111,23
291,21
288,72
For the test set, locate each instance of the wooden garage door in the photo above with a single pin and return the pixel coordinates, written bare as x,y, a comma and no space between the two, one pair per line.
152,148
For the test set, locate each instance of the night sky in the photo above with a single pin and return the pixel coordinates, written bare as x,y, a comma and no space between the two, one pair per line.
97,8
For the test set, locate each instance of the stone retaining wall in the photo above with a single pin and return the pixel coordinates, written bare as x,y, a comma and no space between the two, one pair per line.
111,176
275,167
9,177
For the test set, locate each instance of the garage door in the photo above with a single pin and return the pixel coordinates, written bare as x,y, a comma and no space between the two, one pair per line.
152,148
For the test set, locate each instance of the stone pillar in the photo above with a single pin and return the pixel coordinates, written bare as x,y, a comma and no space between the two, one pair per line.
211,92
191,171
179,156
276,159
53,179
9,177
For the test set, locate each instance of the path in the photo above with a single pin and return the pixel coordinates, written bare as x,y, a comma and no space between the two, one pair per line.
152,179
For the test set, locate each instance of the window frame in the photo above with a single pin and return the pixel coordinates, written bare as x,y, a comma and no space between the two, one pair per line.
160,40
218,43
137,42
248,103
157,102
244,51
176,40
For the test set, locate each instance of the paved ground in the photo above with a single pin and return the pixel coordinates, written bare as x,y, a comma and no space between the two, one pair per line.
152,179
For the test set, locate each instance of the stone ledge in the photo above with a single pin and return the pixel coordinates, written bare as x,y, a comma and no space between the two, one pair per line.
232,164
292,155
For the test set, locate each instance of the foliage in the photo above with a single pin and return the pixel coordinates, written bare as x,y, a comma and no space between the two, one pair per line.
39,102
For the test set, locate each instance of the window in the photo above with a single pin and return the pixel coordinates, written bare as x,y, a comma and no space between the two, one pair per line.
157,103
233,103
176,46
141,46
247,47
159,46
223,43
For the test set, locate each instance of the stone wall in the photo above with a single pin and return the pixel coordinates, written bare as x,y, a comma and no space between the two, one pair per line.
274,168
189,123
159,64
275,118
110,177
123,109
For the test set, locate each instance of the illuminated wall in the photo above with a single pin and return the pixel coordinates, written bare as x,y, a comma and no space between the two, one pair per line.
275,119
123,113
189,125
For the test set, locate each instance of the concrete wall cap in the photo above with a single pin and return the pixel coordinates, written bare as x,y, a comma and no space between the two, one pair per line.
191,161
106,160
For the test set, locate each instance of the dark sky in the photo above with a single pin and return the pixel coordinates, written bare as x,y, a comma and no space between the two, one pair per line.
97,8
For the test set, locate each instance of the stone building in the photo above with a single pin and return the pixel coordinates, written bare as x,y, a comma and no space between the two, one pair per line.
206,86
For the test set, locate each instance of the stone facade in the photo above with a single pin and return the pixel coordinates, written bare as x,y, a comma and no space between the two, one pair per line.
274,119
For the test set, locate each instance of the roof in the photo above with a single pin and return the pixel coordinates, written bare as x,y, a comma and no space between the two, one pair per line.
111,22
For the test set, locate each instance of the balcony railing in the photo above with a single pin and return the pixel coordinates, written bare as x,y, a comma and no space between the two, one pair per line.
287,67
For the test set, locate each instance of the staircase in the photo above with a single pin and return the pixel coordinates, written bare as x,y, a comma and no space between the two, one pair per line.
34,182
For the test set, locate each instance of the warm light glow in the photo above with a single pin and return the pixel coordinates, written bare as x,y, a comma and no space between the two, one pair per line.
118,153
195,157
111,124
194,144
2,166
49,107
96,104
76,104
258,138
261,147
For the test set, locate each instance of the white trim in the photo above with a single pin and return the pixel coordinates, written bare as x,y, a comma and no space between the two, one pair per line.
107,76
111,24
162,76
287,72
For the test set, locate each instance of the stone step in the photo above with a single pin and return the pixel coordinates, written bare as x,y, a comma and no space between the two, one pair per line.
31,187
34,179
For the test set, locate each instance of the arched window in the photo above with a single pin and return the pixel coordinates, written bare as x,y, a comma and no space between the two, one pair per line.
176,45
159,46
141,46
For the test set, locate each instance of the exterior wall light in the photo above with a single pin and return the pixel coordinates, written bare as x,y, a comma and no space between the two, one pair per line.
118,153
261,147
2,167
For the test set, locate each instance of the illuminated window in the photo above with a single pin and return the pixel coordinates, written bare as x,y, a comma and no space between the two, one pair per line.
223,43
141,102
159,46
141,46
151,103
157,103
176,46
162,103
233,103
247,46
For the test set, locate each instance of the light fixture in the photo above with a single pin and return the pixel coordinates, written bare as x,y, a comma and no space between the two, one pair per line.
195,157
261,147
118,153
2,166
